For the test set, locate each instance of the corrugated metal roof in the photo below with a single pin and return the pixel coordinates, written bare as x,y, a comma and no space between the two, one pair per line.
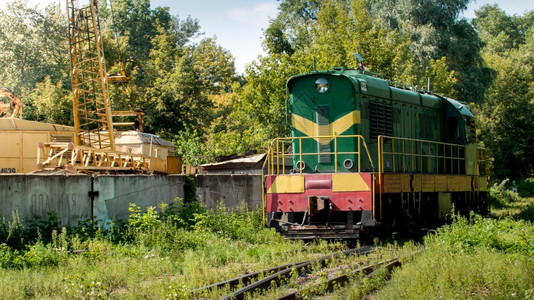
243,160
134,137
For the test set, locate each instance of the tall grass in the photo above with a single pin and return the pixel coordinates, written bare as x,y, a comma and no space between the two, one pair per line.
162,253
473,258
505,202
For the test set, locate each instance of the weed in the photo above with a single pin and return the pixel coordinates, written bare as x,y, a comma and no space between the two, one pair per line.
158,253
471,258
500,196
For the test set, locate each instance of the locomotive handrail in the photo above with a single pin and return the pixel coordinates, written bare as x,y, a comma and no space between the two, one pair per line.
416,153
417,144
281,149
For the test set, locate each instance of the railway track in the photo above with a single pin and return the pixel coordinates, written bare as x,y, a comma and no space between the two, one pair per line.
264,279
309,284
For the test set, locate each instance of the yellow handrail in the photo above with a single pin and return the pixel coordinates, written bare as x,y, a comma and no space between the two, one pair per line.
416,154
278,152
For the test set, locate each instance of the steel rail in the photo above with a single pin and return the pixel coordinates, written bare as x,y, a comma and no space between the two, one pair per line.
277,277
369,272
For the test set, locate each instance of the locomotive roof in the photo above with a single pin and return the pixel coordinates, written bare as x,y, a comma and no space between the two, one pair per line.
369,83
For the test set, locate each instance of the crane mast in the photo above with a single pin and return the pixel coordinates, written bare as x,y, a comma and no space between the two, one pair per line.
90,93
94,143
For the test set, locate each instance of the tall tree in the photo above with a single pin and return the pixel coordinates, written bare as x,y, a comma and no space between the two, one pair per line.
333,31
498,30
33,47
507,114
436,31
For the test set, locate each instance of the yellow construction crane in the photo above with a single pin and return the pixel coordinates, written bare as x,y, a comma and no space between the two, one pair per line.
90,93
94,145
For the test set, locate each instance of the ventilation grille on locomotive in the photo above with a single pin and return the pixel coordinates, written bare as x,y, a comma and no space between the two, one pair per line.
380,119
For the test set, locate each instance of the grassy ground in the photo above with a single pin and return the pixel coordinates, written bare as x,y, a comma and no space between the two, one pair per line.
472,258
166,253
155,255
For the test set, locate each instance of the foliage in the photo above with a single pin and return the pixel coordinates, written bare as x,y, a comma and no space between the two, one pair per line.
526,187
239,224
506,235
435,30
505,117
15,235
34,46
189,145
51,103
500,31
500,195
471,258
162,252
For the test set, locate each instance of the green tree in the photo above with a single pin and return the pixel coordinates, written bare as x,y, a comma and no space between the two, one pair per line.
436,31
499,31
51,103
33,47
318,32
506,119
292,27
506,116
183,80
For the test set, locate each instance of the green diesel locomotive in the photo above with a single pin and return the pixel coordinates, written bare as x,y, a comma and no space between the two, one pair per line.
365,152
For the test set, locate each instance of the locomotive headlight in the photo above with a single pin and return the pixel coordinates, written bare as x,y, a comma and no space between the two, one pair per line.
321,85
348,164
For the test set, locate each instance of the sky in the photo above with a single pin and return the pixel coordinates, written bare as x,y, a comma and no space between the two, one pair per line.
238,25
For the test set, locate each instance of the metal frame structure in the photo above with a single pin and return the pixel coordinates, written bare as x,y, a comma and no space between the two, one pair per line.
90,94
94,144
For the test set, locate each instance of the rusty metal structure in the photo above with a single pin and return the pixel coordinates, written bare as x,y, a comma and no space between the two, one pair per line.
90,94
94,147
15,103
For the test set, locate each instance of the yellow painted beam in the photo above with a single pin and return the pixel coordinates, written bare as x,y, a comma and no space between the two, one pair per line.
285,184
349,182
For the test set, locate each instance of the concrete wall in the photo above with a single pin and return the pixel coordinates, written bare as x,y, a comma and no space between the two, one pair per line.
232,190
117,192
69,195
36,195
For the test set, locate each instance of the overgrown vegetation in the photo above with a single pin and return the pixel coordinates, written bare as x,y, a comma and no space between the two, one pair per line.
166,252
475,258
472,258
162,253
512,201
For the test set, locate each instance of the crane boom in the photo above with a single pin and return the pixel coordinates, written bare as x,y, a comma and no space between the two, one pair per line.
94,146
90,93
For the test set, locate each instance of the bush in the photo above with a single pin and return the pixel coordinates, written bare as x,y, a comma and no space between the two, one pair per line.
525,187
12,232
500,196
239,224
507,235
473,258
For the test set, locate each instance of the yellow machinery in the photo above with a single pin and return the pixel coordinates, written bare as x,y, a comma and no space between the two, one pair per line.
94,144
90,95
